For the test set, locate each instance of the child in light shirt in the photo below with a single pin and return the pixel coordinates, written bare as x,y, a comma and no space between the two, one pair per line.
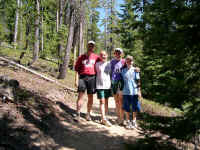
103,85
131,92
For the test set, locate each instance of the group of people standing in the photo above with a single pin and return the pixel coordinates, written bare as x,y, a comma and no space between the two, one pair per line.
117,78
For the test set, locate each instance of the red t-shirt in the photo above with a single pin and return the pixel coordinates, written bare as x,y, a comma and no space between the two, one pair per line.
85,65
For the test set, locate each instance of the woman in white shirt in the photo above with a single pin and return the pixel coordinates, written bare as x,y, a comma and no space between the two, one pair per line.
103,85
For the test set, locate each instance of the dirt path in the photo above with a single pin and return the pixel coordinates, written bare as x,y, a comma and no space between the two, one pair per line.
41,119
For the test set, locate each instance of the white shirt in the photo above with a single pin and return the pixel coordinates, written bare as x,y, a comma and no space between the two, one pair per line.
103,70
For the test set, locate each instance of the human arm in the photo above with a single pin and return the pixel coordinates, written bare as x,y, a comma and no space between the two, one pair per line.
139,89
138,82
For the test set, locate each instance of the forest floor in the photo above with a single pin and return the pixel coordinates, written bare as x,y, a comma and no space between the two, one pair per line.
41,118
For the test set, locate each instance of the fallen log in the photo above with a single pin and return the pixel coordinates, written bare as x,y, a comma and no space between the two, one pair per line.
38,74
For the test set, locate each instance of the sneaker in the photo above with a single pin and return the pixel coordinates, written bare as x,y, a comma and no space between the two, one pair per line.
88,117
129,124
134,124
106,122
77,117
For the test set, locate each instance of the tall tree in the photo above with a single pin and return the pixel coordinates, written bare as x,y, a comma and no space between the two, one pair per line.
37,35
81,28
16,24
64,66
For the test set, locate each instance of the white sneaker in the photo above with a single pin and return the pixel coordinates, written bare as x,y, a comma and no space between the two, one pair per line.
134,124
129,124
106,122
88,117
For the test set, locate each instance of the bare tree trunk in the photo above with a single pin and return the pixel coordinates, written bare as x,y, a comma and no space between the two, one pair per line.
37,42
42,33
57,20
21,28
27,36
81,41
16,24
60,46
42,36
111,29
64,66
74,44
74,58
106,28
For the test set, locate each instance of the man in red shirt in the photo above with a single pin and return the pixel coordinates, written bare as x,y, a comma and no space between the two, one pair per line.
85,67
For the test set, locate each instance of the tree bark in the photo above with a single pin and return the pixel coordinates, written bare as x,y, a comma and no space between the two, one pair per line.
16,24
42,32
57,20
74,45
64,66
60,46
37,42
27,36
21,28
81,26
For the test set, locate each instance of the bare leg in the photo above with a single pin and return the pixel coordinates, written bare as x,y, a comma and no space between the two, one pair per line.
90,103
127,116
134,116
117,105
106,106
79,102
121,111
102,108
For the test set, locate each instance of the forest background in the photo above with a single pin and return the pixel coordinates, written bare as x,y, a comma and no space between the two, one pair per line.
162,36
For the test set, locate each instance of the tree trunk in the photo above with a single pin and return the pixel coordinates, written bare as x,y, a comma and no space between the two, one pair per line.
64,66
81,41
57,20
60,21
74,59
37,42
111,29
42,32
27,36
106,28
16,24
21,28
74,44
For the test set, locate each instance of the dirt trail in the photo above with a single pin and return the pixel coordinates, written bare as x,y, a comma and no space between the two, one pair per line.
41,119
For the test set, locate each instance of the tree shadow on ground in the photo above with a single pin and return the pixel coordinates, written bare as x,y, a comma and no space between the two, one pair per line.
46,125
39,123
164,124
160,131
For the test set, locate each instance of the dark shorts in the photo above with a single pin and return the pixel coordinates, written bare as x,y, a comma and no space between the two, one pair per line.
131,100
116,86
103,93
87,82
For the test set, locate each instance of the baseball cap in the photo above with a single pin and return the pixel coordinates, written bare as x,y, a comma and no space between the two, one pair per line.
91,42
119,49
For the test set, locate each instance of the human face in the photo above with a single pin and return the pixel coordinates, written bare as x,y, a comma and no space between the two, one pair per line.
90,47
128,62
103,56
118,54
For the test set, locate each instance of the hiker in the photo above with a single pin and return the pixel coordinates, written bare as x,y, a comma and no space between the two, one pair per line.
116,85
131,92
86,79
103,85
116,64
